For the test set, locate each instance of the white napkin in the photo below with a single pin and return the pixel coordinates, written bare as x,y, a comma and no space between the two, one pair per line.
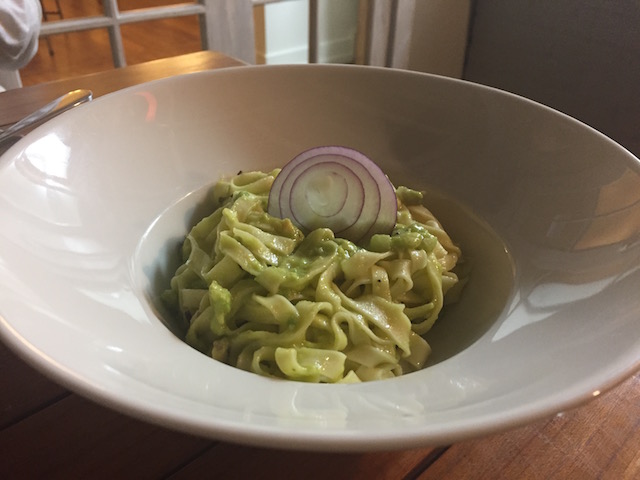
19,29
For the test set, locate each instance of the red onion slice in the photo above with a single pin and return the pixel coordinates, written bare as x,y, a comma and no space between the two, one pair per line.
338,188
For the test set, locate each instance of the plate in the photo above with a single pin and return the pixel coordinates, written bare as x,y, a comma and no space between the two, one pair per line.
94,203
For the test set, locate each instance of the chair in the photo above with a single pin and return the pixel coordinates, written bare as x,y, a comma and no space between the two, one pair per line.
583,60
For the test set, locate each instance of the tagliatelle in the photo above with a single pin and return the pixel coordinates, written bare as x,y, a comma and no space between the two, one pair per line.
256,293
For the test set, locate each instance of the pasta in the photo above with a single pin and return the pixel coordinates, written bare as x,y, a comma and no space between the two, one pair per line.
254,292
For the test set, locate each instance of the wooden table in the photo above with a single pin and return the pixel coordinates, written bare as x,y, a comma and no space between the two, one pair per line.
47,432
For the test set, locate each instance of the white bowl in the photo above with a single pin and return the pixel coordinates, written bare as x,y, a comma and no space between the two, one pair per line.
93,203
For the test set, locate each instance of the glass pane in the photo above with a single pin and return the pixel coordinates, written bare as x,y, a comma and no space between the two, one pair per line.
69,54
150,40
134,4
65,9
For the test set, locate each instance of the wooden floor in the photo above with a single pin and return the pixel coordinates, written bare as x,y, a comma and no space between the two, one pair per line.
70,54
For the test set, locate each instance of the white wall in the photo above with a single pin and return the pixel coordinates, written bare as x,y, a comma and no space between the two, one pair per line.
286,31
284,36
